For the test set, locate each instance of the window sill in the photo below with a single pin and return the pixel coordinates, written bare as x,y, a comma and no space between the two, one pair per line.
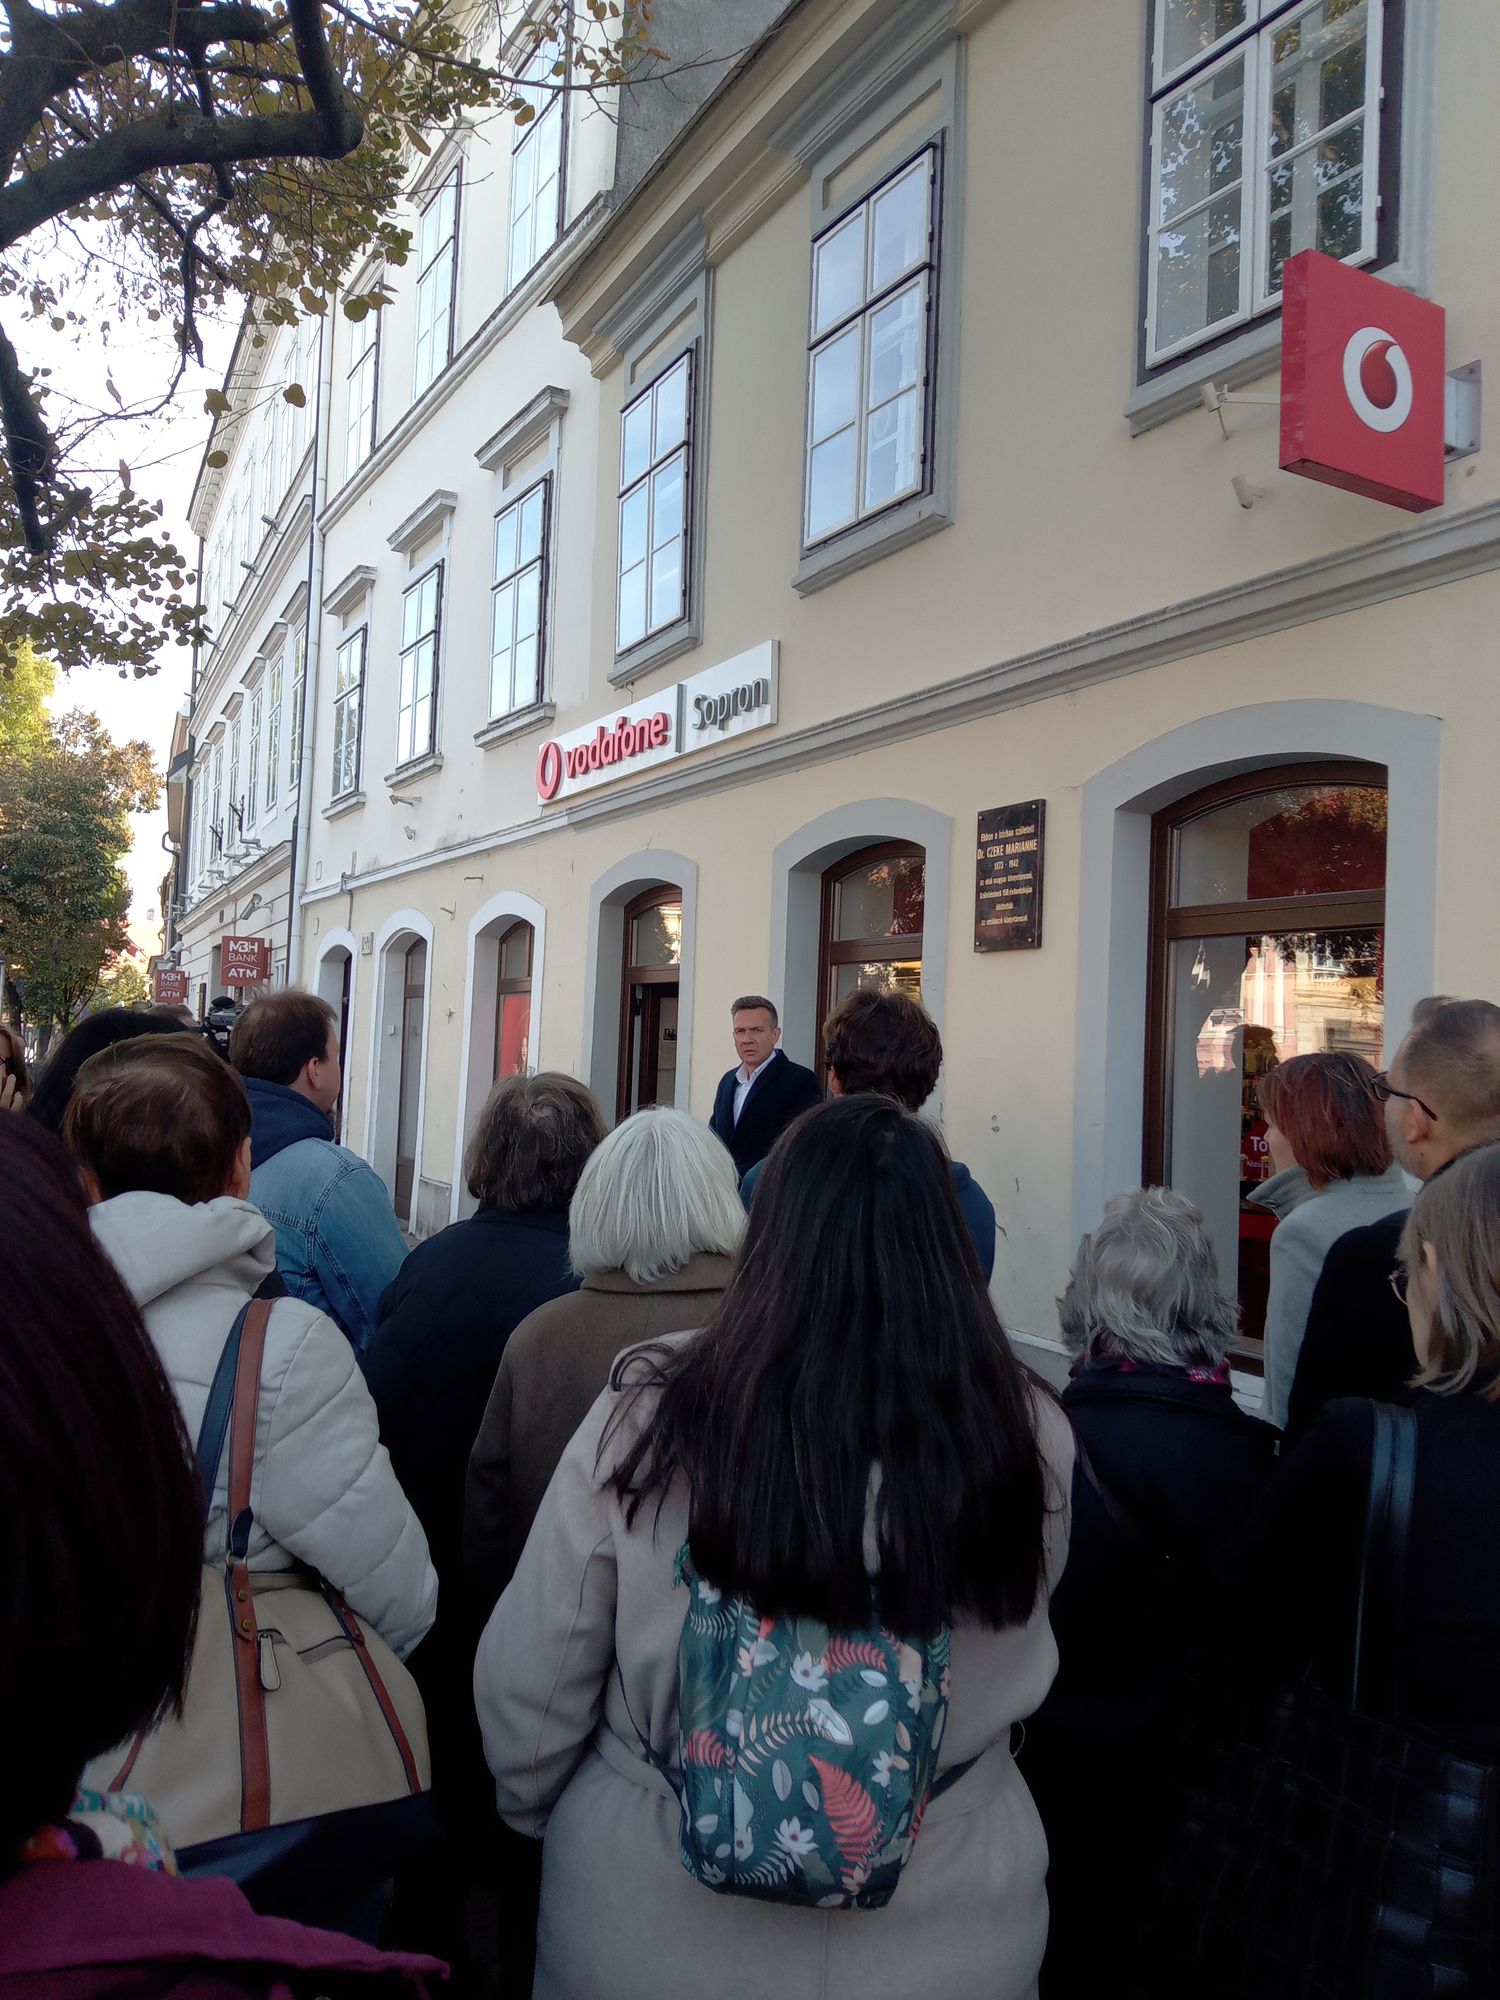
651,653
1173,389
871,541
505,728
418,767
350,802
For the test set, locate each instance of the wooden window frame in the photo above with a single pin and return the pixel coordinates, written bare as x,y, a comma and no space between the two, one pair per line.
508,988
1342,910
861,951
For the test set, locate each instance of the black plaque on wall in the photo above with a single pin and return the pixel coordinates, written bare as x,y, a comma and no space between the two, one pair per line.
1008,877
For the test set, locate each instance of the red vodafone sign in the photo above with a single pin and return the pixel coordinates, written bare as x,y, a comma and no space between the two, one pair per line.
1362,384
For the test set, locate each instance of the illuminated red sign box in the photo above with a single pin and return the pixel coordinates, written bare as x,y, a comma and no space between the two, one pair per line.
169,987
1362,384
244,961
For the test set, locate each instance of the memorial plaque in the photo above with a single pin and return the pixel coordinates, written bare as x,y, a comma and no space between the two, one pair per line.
1008,877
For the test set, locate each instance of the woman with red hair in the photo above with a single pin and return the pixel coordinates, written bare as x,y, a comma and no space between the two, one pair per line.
1322,1115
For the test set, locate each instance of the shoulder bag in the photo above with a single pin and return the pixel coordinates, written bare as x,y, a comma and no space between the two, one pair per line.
301,1731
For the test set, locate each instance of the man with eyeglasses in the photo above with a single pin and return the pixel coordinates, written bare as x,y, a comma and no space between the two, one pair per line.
1441,1096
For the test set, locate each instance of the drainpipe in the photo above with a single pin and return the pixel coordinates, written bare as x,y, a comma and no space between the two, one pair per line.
313,649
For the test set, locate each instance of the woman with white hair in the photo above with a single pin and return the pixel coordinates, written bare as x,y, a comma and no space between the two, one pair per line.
1166,1484
652,1228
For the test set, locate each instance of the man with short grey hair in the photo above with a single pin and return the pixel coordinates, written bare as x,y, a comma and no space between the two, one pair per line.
1442,1096
757,1101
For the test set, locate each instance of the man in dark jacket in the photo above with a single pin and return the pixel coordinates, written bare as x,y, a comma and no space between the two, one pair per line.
885,1042
757,1101
338,1243
1442,1096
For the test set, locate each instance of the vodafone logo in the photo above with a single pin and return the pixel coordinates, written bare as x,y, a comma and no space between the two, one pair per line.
1377,379
549,771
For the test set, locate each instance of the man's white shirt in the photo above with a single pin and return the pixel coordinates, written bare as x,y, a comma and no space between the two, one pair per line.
743,1082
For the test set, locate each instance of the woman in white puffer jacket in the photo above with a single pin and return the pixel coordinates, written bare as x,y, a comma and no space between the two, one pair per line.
161,1129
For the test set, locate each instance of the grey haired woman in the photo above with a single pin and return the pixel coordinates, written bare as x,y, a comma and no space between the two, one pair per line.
1167,1480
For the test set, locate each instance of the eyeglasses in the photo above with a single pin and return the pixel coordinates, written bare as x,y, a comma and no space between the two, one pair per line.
1384,1088
1399,1279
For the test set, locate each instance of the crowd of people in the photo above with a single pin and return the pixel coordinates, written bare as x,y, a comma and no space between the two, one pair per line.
730,1541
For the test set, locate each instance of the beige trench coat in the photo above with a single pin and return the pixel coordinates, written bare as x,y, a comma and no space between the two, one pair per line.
620,1917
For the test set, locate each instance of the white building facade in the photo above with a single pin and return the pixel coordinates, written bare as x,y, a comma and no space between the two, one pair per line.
712,553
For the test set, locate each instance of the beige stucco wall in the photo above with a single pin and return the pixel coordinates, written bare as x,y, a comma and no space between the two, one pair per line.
1010,1019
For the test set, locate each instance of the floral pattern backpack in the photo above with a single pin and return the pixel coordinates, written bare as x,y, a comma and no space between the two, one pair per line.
808,1756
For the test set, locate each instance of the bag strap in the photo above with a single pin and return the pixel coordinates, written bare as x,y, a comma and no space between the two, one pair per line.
215,1426
250,1695
1118,1515
378,1688
1382,1574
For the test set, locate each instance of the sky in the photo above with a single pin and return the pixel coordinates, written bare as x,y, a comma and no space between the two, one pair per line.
163,455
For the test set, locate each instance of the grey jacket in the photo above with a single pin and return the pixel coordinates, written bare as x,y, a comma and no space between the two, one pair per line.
1304,1236
583,1646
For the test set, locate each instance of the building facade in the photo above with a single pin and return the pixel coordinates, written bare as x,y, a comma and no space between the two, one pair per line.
233,786
860,470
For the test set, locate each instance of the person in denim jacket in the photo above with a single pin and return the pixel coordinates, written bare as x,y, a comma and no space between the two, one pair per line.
338,1243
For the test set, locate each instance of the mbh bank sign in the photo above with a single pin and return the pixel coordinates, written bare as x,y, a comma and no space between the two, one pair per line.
731,699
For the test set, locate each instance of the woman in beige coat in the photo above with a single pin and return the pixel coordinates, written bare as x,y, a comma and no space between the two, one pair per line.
854,1419
652,1225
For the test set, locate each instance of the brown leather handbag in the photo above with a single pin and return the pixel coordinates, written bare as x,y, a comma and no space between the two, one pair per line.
294,1711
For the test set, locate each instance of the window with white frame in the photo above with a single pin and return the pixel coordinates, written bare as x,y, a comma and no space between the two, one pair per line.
294,723
270,496
234,819
416,720
437,268
359,392
217,828
273,730
288,431
517,616
252,775
1264,142
348,712
536,166
656,445
869,410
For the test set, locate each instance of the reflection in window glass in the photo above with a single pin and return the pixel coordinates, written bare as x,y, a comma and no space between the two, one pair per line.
883,899
517,600
1190,28
656,936
1306,840
895,975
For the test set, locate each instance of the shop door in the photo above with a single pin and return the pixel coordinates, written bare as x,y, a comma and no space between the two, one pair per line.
1268,941
650,994
413,1009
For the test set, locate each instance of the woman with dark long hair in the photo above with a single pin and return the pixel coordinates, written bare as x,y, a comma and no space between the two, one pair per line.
848,1453
101,1549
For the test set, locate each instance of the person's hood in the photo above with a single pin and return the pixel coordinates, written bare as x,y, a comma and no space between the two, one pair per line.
1282,1192
156,1243
281,1117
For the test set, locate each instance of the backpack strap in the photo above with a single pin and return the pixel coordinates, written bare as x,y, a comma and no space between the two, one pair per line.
255,1747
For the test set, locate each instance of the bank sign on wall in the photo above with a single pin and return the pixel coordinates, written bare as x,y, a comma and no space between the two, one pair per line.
728,700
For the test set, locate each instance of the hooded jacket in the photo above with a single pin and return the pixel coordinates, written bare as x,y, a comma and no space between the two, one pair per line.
322,1490
338,1243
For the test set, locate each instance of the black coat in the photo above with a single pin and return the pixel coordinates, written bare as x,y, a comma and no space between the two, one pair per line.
1450,1629
431,1363
1358,1338
1139,1614
782,1092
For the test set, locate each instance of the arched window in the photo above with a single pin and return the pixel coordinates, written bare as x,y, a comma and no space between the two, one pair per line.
1267,941
513,1002
873,907
650,987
